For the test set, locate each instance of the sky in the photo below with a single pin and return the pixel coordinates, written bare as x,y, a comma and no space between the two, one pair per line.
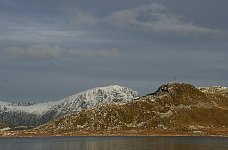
51,49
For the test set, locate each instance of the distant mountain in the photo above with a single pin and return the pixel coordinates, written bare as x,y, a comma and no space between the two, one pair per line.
4,127
37,114
174,106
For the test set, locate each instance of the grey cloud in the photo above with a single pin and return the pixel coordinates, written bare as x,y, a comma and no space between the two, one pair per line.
92,53
147,18
77,18
46,52
156,18
49,49
36,33
34,52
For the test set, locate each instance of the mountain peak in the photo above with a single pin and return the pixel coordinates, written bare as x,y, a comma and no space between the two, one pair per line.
174,87
40,113
96,96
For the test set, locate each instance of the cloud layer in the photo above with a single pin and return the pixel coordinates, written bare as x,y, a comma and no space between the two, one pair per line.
156,18
148,18
51,49
46,52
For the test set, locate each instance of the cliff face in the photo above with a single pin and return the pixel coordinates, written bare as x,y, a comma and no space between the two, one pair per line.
174,106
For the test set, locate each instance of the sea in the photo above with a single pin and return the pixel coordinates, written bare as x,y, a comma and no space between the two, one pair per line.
115,143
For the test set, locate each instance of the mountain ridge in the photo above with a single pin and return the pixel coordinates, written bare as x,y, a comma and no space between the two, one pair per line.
41,113
174,109
174,106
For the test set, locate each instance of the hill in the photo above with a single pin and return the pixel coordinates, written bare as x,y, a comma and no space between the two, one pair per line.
174,107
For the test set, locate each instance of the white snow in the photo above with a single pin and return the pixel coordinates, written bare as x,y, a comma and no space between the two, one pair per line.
213,89
96,96
87,99
4,103
5,129
38,109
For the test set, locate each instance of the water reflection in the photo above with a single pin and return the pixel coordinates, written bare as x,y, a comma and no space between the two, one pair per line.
114,143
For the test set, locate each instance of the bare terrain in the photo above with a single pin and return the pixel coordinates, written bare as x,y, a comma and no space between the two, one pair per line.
175,109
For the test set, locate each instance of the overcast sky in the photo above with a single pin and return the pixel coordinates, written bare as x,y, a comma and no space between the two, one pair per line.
50,49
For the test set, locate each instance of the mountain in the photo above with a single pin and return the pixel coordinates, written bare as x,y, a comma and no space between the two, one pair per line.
173,107
4,127
37,114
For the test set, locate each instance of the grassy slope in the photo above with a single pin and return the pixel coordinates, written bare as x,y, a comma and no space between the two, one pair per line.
176,107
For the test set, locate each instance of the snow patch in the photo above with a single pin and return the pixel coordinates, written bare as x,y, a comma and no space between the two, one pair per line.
5,129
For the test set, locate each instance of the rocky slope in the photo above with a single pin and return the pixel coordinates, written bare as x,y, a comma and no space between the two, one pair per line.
174,106
37,114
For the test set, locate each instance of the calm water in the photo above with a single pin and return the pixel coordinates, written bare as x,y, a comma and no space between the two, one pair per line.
114,143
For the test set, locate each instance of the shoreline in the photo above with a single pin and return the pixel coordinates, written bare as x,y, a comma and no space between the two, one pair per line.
101,136
116,133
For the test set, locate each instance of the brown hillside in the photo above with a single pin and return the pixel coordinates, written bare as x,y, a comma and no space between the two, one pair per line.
174,106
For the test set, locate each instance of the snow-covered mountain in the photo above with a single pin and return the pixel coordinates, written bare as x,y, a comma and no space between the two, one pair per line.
174,107
37,114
